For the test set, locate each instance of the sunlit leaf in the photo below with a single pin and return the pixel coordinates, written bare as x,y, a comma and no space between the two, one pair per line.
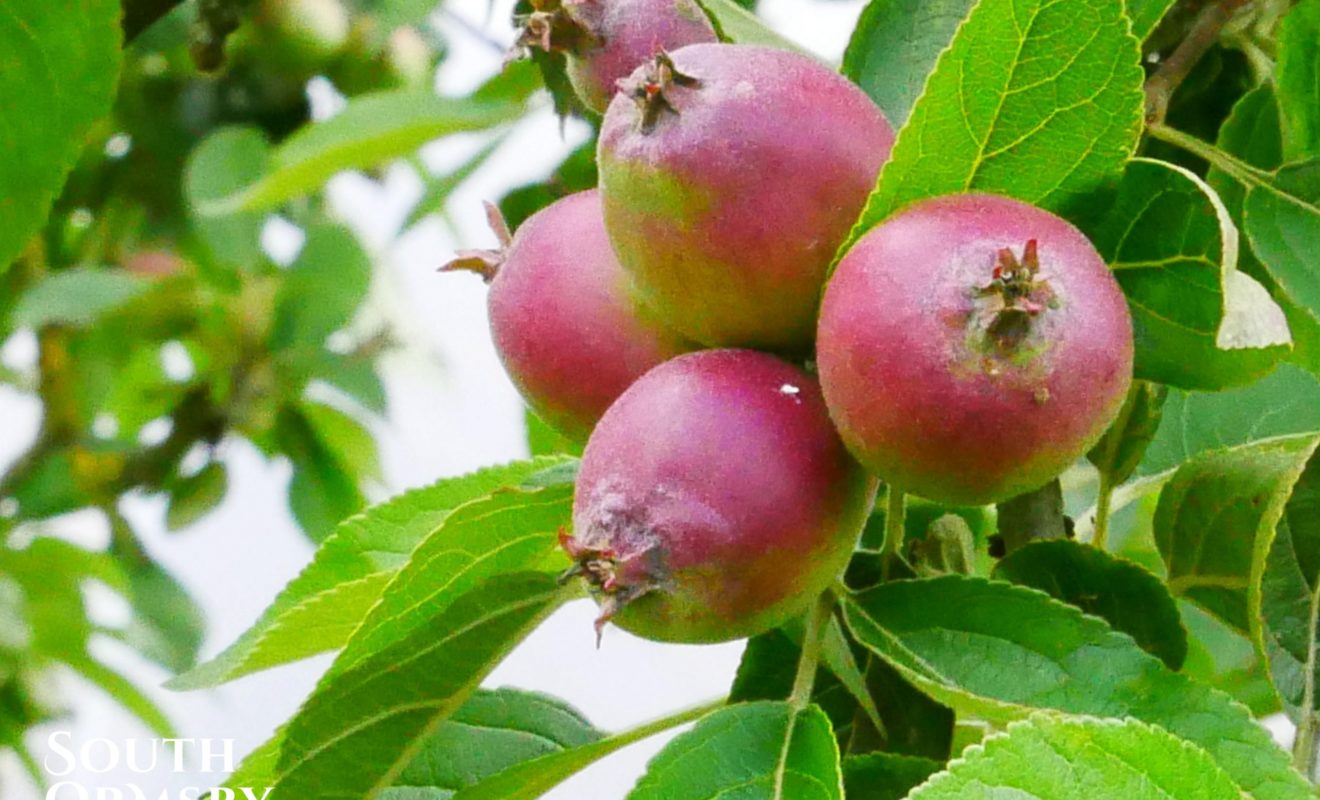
321,608
1082,759
1037,100
1001,652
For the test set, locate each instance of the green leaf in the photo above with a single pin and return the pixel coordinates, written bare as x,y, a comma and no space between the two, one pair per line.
1081,759
1284,402
1199,323
324,490
513,530
124,692
543,440
364,722
321,290
885,776
372,129
1037,100
910,722
76,296
50,488
1217,514
766,671
531,779
1001,652
517,81
51,574
1282,220
751,751
933,543
769,665
1205,98
1221,657
493,731
1121,449
837,655
354,374
391,14
1121,593
894,48
1298,79
553,67
1253,133
1287,610
320,608
740,26
196,496
350,442
915,724
59,64
224,162
1146,15
167,624
482,546
139,389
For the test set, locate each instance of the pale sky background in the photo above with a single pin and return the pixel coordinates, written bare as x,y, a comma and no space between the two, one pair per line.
451,410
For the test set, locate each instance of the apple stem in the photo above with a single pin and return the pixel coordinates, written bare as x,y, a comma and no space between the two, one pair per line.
817,620
895,529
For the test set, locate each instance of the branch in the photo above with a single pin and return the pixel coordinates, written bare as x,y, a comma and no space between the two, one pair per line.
1174,69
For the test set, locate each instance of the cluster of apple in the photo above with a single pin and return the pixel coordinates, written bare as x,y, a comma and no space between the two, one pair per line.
739,392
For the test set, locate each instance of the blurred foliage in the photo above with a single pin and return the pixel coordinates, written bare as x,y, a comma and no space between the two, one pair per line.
162,330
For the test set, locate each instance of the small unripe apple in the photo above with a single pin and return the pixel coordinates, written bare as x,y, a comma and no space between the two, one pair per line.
715,500
567,327
972,347
605,40
730,176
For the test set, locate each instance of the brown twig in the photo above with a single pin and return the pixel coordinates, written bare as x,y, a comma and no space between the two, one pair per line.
1174,69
